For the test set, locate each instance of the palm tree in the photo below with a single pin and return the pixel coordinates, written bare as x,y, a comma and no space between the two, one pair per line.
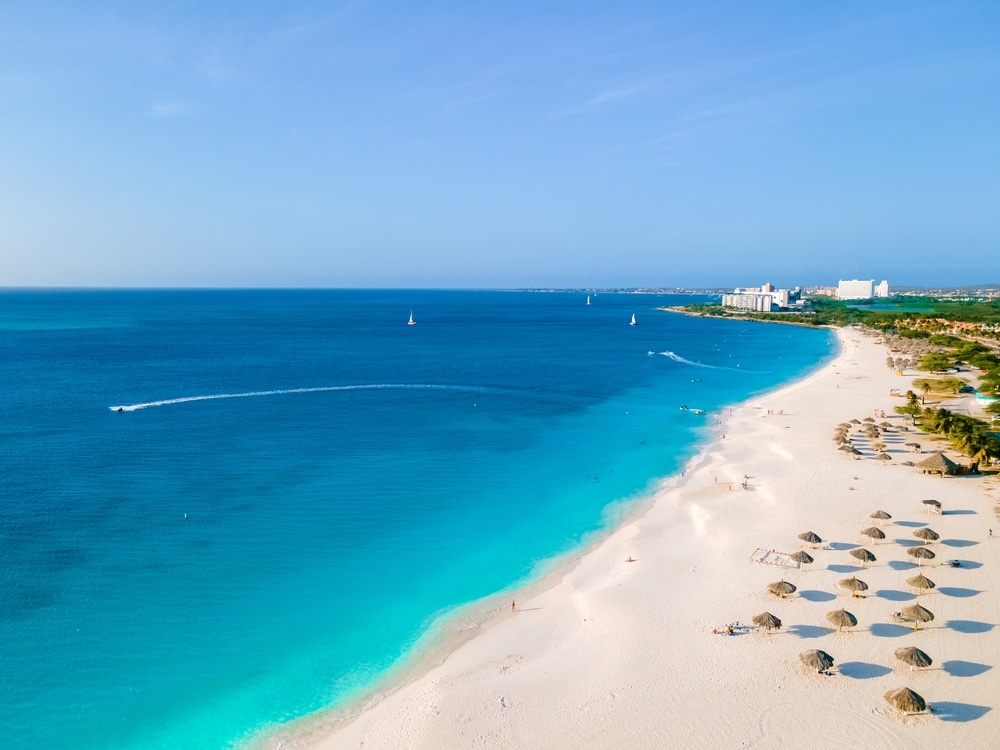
925,387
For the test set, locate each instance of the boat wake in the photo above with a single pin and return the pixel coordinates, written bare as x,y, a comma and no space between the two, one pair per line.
319,389
682,360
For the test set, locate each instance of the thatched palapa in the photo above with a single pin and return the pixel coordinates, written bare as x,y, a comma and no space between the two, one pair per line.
842,618
767,621
921,582
914,657
918,614
782,588
801,557
906,700
818,660
937,463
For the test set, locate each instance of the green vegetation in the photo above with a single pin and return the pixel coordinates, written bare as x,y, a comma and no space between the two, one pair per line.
939,385
914,318
971,436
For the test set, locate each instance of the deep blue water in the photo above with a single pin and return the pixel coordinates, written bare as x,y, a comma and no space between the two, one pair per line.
185,574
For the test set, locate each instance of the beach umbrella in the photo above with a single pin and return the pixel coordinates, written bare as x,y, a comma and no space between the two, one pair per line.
842,618
844,425
801,557
848,448
816,659
906,700
855,452
918,614
885,425
880,516
781,588
928,535
854,585
767,621
914,446
810,537
921,582
874,532
921,553
883,456
869,419
913,656
862,554
855,421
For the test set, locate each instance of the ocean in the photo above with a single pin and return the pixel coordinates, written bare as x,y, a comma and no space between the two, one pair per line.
226,510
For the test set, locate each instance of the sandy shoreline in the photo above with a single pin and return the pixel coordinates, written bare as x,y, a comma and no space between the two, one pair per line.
620,654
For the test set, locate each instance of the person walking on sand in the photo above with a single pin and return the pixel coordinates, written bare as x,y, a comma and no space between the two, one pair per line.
513,605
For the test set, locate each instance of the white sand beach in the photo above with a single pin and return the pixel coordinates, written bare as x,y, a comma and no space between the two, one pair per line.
622,654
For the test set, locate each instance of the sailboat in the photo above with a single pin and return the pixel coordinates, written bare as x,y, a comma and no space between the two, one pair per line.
588,299
633,323
411,321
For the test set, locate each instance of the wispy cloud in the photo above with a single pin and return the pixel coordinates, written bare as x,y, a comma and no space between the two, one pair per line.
171,108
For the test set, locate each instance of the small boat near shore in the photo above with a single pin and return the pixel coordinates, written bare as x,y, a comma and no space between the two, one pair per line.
633,323
411,321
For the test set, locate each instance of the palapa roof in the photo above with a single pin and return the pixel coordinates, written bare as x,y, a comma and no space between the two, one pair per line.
862,554
816,659
853,584
842,618
921,582
801,557
881,515
913,656
906,700
874,532
811,537
938,463
918,613
767,621
922,552
782,588
927,534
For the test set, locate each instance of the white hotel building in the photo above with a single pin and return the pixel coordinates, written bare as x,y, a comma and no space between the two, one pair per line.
761,299
856,289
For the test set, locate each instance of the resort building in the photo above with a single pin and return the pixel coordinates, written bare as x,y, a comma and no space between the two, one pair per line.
764,298
858,289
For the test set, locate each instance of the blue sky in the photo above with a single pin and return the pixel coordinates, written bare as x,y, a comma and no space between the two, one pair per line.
460,144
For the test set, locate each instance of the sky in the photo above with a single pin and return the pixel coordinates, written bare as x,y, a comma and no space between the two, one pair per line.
498,144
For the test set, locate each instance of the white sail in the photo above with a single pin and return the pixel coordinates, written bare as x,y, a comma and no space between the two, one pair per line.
633,323
411,321
588,299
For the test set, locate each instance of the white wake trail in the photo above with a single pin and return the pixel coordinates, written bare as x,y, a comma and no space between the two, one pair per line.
286,391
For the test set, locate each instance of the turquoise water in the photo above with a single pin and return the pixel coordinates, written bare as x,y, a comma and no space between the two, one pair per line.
190,570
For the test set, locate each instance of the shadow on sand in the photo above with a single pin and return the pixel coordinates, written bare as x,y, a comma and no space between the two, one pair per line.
817,596
810,631
959,668
911,524
861,670
957,592
959,712
958,543
969,626
962,512
895,596
844,568
889,630
842,546
902,565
